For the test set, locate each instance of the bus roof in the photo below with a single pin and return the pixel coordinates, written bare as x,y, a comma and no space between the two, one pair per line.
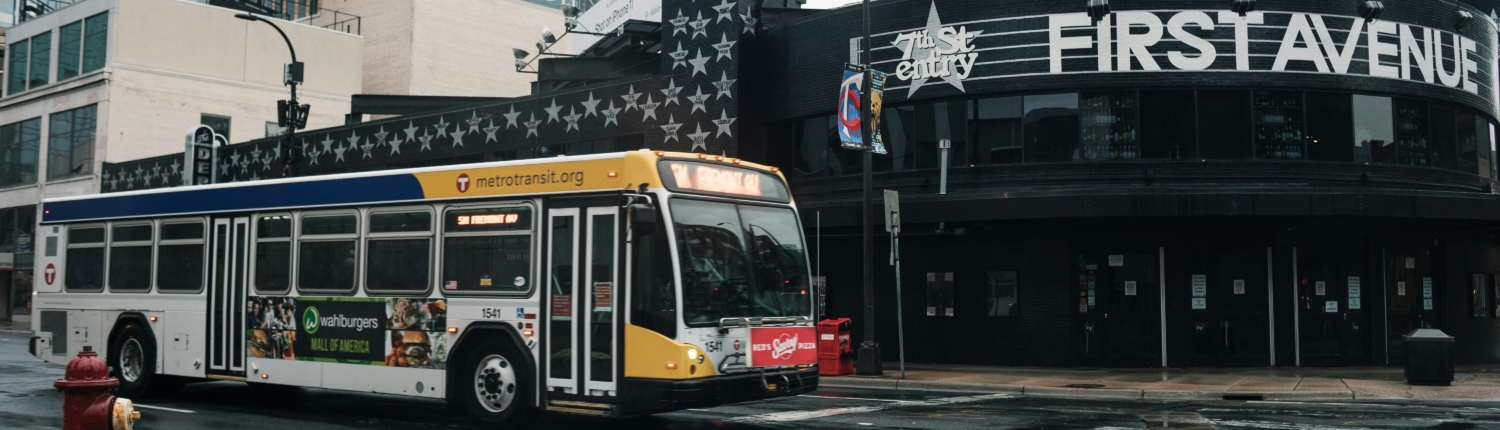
564,174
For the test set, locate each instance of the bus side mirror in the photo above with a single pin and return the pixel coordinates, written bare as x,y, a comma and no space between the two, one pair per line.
642,219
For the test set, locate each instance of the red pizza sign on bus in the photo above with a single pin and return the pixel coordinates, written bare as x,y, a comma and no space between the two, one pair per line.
783,346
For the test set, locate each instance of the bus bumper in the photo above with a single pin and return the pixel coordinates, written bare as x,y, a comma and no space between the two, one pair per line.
656,395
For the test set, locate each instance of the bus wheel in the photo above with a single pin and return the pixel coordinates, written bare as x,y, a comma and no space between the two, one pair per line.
498,385
133,362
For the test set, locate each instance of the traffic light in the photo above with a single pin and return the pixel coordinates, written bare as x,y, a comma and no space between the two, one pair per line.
301,116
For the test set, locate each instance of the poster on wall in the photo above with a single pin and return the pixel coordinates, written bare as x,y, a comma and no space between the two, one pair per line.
369,331
1426,288
1200,285
1320,288
1130,288
1239,286
1200,303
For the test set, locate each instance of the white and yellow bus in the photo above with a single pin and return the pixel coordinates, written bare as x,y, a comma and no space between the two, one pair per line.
609,285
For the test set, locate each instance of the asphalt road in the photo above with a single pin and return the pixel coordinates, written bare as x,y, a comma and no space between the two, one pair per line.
28,401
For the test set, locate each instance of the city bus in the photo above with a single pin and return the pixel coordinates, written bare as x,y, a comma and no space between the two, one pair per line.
608,285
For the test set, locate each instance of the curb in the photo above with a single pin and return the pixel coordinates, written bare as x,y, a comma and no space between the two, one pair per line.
1085,393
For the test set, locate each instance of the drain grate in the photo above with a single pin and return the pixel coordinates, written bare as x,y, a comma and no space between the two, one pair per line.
1084,386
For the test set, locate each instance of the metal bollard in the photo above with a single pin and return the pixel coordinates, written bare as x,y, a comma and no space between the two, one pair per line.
87,404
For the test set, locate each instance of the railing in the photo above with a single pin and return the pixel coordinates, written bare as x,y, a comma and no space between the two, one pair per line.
334,20
27,10
308,12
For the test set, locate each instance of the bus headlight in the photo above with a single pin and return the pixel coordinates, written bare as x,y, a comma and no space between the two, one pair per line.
692,354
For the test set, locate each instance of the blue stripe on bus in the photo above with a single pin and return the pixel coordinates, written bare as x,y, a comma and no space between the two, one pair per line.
248,198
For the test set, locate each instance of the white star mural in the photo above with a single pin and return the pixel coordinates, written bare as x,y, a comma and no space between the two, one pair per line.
679,57
590,106
698,62
935,26
648,109
489,132
632,99
612,114
672,91
700,139
700,26
724,85
380,136
338,153
552,111
510,118
750,21
442,127
426,142
531,125
670,128
725,48
395,147
725,10
411,131
678,23
572,120
699,100
723,123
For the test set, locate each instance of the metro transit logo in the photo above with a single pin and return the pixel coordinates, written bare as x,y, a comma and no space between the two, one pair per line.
463,182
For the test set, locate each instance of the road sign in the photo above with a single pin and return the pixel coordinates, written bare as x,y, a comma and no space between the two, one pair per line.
892,210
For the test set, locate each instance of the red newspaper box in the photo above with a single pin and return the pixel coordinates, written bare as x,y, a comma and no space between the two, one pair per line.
835,354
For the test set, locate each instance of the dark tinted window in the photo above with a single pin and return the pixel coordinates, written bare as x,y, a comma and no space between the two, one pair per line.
1051,127
1412,132
181,231
333,224
130,268
486,263
1329,127
132,233
85,267
179,267
273,267
997,131
397,264
1468,142
86,235
326,265
1224,124
488,219
274,226
1169,122
1374,139
400,222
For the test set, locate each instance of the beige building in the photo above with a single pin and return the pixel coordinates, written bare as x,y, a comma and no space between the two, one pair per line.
114,80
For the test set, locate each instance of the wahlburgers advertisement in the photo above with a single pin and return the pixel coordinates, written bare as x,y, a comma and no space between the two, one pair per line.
397,332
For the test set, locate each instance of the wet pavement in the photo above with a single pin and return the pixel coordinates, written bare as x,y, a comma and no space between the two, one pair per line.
28,401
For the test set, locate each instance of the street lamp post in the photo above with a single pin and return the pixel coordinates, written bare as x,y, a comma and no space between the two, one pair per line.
868,359
291,116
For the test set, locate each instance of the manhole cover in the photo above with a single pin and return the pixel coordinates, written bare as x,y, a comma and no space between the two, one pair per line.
1084,386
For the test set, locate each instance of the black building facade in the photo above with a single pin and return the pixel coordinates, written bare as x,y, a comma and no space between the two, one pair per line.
1172,184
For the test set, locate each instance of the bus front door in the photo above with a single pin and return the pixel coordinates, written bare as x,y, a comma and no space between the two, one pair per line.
582,284
226,298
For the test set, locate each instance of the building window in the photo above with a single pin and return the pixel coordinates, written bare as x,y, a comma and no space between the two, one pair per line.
18,146
1109,129
997,129
15,69
41,60
1169,121
1412,129
70,143
81,45
1374,139
1051,127
1328,135
1444,137
1278,118
1003,293
220,124
1224,125
1468,142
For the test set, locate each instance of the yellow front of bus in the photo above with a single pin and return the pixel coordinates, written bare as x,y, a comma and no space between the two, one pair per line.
722,298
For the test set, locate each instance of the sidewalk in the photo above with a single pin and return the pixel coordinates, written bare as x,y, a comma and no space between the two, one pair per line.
15,327
1334,383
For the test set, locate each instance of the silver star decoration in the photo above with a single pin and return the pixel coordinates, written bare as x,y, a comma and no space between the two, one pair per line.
380,136
724,85
672,92
749,22
254,154
552,111
700,139
612,114
234,160
935,26
244,167
175,168
313,160
679,57
442,127
223,171
723,123
725,47
632,99
367,147
700,26
474,121
671,129
725,10
111,180
411,131
698,62
572,120
678,23
353,138
510,117
426,142
648,109
531,125
458,135
590,106
395,146
156,170
489,132
699,100
338,153
327,144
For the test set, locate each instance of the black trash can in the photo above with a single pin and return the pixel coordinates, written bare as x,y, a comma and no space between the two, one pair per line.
1429,357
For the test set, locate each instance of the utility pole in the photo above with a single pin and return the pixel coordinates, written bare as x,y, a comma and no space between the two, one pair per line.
868,359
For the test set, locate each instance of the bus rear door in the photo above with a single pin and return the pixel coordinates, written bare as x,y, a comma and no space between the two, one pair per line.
226,298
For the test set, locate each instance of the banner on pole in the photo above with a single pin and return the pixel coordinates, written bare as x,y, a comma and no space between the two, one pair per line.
850,120
877,93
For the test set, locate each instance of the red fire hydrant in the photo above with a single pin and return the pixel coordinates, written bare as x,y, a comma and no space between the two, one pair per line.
87,404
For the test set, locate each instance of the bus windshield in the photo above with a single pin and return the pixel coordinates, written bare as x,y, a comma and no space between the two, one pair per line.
740,261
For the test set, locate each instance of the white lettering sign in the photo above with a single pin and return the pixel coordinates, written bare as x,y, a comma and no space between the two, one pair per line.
936,51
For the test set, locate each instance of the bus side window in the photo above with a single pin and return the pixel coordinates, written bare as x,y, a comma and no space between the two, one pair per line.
85,259
130,257
326,252
652,296
180,257
398,252
273,254
487,250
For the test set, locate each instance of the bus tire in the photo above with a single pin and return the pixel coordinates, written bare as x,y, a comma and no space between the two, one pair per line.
133,363
495,385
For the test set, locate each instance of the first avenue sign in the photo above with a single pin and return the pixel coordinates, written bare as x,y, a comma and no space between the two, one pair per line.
1187,40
